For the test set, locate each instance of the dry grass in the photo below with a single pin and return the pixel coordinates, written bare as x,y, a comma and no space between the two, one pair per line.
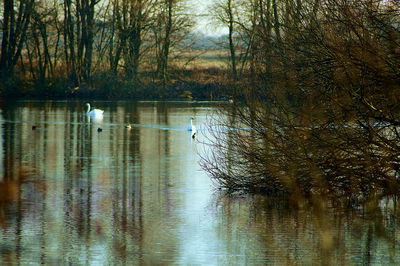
201,59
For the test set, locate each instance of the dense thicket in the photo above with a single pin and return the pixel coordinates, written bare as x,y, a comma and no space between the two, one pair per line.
317,112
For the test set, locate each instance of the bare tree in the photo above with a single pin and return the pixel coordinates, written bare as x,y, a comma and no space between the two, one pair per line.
15,26
327,122
224,12
69,42
170,26
79,26
38,43
85,46
133,22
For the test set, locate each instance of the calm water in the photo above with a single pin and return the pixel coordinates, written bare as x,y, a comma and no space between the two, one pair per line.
72,195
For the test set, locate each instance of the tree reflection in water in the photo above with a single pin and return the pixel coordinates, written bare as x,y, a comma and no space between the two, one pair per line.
290,234
69,195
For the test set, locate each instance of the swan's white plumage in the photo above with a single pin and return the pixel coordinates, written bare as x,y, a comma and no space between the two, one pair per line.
192,128
94,112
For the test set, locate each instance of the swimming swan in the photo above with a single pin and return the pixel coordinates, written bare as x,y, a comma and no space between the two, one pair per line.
192,128
94,112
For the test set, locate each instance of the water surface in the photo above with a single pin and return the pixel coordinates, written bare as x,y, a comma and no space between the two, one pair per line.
72,195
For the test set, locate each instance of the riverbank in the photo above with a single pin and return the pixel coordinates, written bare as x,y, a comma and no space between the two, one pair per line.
206,84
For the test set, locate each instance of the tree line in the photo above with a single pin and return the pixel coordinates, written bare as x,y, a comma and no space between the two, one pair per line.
319,103
70,42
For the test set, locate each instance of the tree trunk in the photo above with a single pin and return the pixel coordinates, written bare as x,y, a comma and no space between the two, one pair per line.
69,43
87,61
231,43
166,43
137,39
13,35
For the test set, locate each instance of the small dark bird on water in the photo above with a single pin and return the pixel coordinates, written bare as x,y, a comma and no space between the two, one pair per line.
99,129
34,127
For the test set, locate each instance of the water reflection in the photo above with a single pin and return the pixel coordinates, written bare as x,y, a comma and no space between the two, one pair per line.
72,195
310,234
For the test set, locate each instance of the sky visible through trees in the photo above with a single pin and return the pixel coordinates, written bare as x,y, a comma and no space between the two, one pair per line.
204,22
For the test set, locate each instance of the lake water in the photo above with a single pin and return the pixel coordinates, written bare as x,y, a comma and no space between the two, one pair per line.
71,195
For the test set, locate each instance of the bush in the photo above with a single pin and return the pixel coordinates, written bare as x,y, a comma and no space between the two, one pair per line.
327,121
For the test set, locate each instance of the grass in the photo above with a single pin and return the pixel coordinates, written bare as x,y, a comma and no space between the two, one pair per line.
201,59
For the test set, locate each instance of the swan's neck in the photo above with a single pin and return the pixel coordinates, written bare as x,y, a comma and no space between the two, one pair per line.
88,108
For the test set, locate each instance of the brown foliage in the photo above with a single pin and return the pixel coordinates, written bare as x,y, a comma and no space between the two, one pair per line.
324,119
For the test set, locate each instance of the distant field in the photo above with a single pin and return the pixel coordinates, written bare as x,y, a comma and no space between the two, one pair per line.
202,59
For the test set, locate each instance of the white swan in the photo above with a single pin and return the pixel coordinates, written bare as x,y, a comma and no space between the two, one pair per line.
94,112
192,128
